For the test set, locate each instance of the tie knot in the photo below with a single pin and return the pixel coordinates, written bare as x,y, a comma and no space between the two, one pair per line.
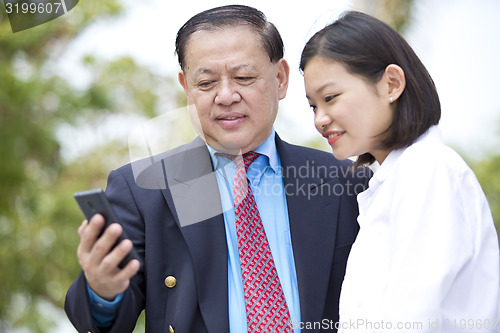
249,157
241,161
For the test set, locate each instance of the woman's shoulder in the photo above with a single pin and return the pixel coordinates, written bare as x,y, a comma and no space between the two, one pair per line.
431,155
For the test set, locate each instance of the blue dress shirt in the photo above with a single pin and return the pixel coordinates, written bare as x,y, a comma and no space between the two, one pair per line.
266,182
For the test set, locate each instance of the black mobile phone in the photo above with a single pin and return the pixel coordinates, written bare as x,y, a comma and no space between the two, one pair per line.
93,202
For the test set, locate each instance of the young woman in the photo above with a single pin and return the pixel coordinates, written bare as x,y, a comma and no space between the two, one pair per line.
426,258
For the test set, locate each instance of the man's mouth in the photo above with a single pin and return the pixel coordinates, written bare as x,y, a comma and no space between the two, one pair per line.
228,118
231,121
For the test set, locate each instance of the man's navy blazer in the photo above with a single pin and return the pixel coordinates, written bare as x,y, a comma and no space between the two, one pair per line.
169,206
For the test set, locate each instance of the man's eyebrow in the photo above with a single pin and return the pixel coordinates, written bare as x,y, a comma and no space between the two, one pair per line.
233,69
242,66
203,70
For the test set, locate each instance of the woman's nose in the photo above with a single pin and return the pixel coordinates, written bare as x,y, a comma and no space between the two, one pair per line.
322,120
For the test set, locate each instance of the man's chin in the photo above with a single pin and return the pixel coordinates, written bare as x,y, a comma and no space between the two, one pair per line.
232,147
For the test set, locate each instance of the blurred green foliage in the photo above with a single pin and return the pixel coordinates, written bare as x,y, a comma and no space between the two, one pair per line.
396,13
488,174
38,215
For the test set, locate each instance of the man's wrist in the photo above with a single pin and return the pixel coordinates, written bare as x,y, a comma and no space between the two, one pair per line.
103,311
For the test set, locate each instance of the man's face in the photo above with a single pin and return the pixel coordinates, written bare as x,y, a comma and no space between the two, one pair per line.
232,88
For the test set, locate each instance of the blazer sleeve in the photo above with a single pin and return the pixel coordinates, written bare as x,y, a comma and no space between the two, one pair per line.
77,304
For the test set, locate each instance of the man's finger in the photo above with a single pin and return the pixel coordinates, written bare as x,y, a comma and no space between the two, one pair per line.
89,232
129,270
105,243
113,258
82,227
92,230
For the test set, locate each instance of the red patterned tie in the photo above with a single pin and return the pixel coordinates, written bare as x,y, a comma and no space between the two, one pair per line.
264,299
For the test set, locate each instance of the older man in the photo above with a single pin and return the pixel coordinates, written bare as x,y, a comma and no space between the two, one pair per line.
246,233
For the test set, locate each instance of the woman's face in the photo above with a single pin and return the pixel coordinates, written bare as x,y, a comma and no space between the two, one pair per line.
352,114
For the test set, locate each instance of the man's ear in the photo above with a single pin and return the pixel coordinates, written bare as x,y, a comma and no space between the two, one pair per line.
183,81
283,75
395,80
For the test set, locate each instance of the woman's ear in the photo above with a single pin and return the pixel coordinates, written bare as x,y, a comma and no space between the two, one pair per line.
395,80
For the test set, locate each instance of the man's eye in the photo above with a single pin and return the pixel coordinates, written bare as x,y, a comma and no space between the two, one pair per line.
205,84
245,79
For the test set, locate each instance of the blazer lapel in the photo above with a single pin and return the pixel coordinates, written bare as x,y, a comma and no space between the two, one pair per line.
313,222
193,196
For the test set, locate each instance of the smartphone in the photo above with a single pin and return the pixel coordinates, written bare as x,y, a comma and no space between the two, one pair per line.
93,202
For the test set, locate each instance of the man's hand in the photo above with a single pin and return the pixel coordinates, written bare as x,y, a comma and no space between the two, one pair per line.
100,266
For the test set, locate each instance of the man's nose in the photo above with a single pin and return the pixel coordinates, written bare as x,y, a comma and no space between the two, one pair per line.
227,93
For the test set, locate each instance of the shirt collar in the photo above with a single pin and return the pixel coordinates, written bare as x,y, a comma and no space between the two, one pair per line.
268,149
386,168
432,134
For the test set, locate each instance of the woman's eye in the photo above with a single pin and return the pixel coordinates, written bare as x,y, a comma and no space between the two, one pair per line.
329,98
313,107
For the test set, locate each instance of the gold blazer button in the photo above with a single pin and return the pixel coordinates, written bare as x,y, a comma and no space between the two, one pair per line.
170,281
